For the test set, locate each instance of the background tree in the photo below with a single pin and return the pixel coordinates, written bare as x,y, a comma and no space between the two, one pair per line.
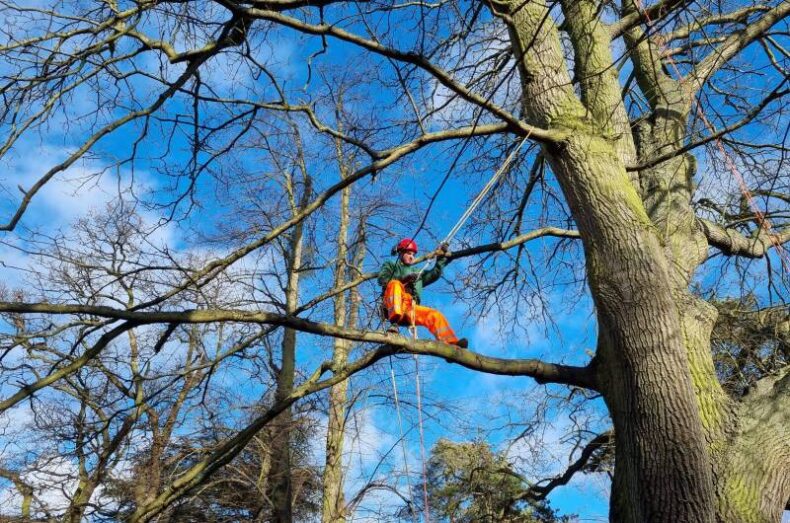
468,482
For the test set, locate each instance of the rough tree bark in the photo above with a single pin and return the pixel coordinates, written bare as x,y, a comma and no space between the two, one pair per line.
682,446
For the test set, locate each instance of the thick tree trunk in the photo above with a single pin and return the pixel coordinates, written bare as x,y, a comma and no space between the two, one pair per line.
681,454
662,471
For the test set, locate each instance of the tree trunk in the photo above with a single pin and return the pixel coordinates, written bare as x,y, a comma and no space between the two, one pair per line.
279,432
280,492
684,452
662,471
332,501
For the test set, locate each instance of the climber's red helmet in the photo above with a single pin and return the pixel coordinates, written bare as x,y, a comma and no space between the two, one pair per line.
406,245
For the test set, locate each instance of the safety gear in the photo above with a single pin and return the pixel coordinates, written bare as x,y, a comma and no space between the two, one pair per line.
398,270
406,244
403,310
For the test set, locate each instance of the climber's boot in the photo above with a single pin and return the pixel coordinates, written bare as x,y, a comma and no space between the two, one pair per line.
463,343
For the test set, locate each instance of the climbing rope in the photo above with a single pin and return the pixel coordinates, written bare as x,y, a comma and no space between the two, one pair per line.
413,327
483,192
402,441
427,512
479,199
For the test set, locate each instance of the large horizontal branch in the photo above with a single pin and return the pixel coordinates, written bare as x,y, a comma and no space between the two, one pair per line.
490,247
733,243
518,126
541,371
734,44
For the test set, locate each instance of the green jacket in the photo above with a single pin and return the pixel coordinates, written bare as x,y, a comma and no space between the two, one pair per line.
398,271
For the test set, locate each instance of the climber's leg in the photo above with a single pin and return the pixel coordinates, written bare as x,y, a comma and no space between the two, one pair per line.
435,322
399,306
393,301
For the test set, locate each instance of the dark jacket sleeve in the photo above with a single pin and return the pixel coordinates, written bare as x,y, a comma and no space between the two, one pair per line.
430,276
385,273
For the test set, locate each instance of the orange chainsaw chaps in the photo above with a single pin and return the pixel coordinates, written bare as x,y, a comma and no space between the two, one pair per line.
402,310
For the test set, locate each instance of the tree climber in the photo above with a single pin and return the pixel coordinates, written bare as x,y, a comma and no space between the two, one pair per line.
402,284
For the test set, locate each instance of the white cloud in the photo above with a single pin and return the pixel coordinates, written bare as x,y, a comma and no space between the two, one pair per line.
87,186
53,480
13,427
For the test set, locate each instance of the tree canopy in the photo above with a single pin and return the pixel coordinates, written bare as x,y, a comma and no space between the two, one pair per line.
198,194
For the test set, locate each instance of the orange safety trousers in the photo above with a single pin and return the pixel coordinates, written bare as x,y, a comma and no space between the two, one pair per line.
402,310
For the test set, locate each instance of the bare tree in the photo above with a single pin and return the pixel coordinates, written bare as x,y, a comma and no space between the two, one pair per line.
658,134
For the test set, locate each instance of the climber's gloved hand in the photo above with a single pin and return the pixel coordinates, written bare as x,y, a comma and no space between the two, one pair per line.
442,251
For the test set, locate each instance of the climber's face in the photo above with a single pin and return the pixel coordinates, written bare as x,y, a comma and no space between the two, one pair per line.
407,257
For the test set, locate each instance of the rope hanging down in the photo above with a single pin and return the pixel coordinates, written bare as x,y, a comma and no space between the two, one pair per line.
413,328
402,442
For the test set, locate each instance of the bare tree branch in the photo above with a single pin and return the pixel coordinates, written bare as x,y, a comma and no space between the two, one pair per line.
733,243
734,44
541,492
652,13
516,125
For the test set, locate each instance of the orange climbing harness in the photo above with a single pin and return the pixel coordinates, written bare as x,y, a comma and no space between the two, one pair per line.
402,309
